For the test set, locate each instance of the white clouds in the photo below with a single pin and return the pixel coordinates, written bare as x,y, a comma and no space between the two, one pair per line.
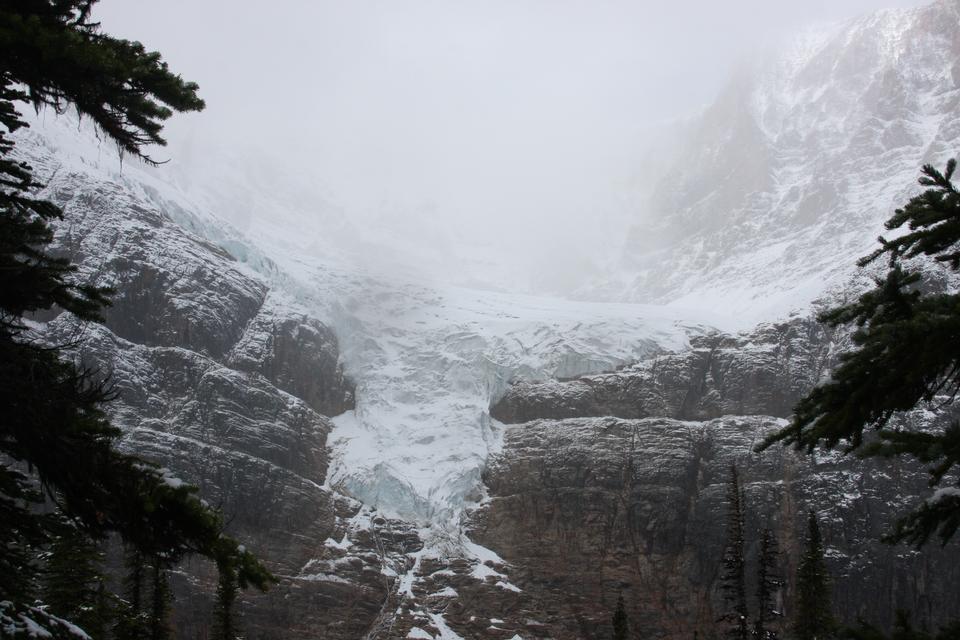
472,115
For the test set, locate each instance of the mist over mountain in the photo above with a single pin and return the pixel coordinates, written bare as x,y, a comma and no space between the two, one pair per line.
787,178
757,198
489,409
518,143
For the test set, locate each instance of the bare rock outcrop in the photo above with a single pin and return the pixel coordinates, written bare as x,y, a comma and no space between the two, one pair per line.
763,372
586,508
228,384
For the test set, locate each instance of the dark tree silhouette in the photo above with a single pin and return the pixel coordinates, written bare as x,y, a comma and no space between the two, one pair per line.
621,627
768,584
54,434
733,580
813,618
907,354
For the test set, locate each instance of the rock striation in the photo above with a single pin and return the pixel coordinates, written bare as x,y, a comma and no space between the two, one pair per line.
580,487
782,183
228,383
616,483
763,372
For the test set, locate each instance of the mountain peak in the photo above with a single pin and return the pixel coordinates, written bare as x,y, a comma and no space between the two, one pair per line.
787,178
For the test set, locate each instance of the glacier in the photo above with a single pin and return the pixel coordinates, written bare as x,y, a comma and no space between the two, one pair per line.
772,215
428,358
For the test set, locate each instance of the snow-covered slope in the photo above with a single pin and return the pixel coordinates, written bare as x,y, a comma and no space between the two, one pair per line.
428,359
787,178
428,363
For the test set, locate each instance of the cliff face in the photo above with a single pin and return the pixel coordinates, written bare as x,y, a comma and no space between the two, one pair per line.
785,180
594,485
228,383
226,380
435,499
615,482
763,372
587,505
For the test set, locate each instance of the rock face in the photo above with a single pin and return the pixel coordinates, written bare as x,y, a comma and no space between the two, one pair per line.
760,373
584,486
228,384
586,505
603,484
226,381
172,289
785,180
297,354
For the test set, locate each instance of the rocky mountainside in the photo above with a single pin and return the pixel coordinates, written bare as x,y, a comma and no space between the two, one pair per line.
413,513
615,483
424,461
786,179
760,373
227,376
227,383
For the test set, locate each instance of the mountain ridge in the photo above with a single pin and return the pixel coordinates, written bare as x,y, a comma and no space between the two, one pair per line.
787,178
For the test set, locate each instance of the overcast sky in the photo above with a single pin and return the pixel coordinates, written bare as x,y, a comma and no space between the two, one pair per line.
479,111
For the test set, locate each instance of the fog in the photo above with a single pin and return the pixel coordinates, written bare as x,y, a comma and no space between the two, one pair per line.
499,143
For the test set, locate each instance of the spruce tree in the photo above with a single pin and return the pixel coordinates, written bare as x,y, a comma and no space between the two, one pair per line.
132,619
907,354
733,580
160,599
621,627
54,427
23,535
903,629
73,580
144,613
224,622
103,616
813,615
768,584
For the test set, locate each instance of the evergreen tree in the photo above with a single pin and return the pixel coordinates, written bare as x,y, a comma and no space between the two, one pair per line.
73,580
814,612
224,623
160,599
104,612
132,620
145,610
768,584
902,630
51,54
733,580
621,627
907,353
22,535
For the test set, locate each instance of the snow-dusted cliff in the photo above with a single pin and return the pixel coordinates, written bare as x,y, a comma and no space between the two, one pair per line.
427,359
227,367
342,410
787,178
